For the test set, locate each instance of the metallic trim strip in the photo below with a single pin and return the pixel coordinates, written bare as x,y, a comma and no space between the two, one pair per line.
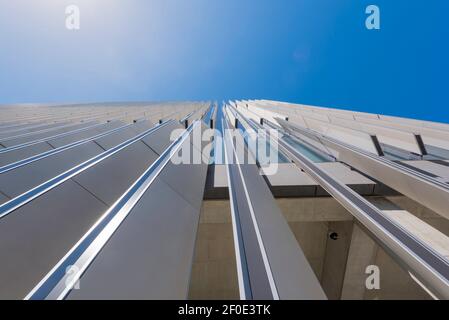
8,207
49,153
56,285
30,143
423,261
245,276
354,157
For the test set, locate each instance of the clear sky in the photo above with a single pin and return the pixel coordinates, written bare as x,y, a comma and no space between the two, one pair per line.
308,51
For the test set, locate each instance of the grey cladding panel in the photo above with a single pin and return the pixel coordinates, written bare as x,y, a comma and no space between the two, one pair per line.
3,198
36,236
197,140
11,127
19,154
17,181
27,131
292,273
160,139
58,142
116,138
143,125
20,129
150,255
110,178
42,135
187,179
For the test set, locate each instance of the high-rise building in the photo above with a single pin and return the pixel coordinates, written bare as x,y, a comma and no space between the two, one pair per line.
248,199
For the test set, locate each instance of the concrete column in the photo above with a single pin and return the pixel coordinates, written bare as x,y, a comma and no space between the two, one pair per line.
337,247
362,252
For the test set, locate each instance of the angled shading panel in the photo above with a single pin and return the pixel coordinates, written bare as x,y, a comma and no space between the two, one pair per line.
270,263
151,251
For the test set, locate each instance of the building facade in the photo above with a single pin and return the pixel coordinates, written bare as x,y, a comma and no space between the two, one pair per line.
247,199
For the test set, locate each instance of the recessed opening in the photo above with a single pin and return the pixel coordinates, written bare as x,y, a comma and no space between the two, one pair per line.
214,271
340,252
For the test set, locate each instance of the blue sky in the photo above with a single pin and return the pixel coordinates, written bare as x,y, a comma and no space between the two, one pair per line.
308,51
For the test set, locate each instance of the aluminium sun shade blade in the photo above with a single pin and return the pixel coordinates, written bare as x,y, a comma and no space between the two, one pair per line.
430,192
423,262
152,226
270,263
